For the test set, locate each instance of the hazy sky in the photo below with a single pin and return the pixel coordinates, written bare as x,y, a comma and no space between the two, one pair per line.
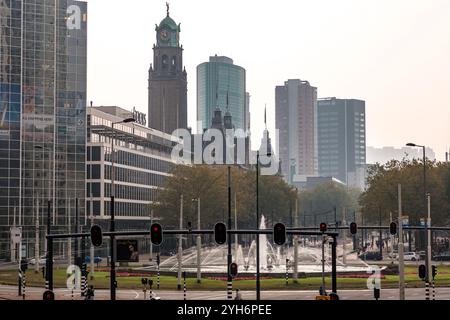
395,54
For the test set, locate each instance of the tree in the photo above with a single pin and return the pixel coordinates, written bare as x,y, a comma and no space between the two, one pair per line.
383,183
317,204
209,183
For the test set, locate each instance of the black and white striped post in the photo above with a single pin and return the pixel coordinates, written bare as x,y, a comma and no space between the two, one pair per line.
157,272
184,285
23,285
427,290
20,282
83,280
433,286
287,272
230,290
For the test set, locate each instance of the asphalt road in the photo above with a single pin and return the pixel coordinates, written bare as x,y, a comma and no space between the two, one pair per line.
10,293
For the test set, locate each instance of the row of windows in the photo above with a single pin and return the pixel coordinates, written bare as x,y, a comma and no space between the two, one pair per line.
139,161
131,193
125,209
133,176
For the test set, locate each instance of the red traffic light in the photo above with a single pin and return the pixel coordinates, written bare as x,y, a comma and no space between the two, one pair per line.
234,270
96,236
156,234
393,228
48,296
323,227
220,233
279,234
353,228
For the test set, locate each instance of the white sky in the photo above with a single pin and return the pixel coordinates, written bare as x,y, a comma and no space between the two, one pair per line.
395,54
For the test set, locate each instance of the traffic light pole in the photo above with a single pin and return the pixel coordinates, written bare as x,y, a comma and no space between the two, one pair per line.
49,266
229,257
333,265
258,280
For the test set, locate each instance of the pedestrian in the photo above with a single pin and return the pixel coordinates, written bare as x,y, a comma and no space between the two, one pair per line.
90,293
238,295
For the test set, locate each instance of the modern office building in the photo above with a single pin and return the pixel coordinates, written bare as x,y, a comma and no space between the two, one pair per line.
42,117
222,84
296,122
167,80
342,140
142,162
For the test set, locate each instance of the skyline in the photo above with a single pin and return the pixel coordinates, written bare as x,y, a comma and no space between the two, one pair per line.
374,57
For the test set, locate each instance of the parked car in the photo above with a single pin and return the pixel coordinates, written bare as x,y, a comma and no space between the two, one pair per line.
445,256
371,255
42,261
411,256
96,259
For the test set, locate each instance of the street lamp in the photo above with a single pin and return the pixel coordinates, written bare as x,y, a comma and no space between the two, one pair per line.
425,205
48,271
199,241
113,282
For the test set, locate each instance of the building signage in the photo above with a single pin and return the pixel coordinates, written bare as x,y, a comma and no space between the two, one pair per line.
140,117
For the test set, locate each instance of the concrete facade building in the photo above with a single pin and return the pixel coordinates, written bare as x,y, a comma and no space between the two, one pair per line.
296,122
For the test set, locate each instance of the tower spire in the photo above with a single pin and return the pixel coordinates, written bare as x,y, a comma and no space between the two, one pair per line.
265,116
168,8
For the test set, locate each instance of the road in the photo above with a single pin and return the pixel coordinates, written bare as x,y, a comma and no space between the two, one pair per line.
10,293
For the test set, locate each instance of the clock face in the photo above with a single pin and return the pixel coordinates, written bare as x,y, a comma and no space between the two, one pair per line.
164,35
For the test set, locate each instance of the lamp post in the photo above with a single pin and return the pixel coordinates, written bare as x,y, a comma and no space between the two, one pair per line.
113,283
199,242
425,207
49,272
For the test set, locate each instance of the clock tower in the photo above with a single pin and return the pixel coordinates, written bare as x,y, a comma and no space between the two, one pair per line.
167,80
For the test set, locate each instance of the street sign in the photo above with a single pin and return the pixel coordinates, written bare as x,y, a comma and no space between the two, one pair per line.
16,235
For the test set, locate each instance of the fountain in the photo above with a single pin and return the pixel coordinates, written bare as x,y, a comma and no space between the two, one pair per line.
272,259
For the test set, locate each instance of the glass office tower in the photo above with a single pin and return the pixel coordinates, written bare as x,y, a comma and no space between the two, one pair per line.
42,116
221,83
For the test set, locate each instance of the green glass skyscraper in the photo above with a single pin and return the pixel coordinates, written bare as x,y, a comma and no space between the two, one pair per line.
221,84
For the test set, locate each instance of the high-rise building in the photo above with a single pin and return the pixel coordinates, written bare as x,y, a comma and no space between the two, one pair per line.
221,84
167,80
342,140
296,119
42,117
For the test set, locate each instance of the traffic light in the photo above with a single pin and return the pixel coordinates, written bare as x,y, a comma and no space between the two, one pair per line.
96,236
353,228
234,270
23,265
422,271
279,234
220,233
156,234
48,296
323,227
393,228
434,271
144,281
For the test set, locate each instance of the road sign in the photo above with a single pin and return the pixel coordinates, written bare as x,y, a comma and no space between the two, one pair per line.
16,235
